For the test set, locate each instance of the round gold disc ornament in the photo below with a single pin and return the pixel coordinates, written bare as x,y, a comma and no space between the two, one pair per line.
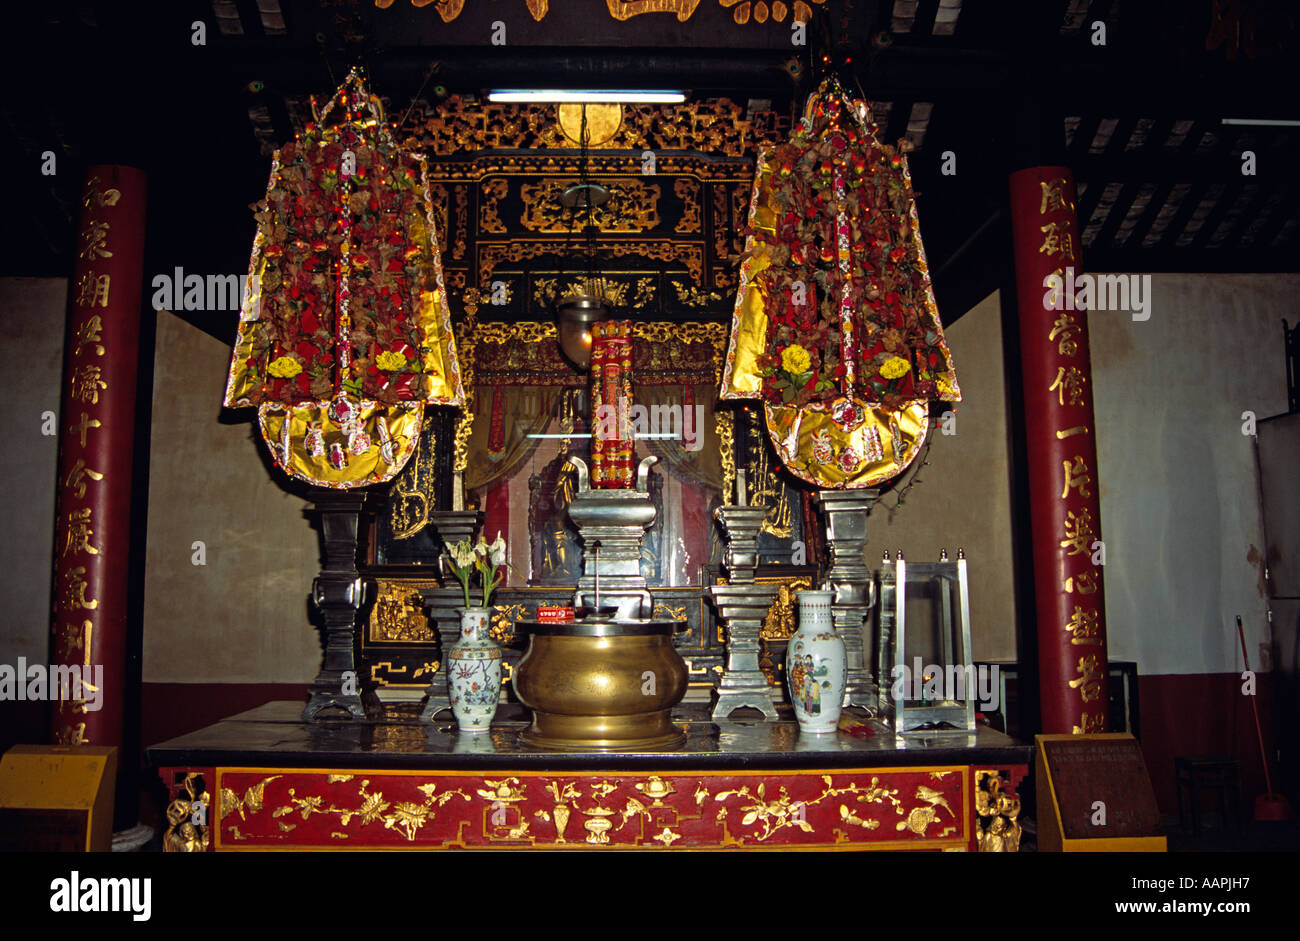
603,121
835,326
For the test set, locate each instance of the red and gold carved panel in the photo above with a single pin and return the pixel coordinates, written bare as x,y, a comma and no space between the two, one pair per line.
882,808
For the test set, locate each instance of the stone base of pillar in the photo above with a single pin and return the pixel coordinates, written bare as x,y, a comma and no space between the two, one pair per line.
132,839
846,536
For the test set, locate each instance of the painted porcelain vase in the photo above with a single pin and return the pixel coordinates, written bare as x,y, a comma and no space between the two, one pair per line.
474,672
815,665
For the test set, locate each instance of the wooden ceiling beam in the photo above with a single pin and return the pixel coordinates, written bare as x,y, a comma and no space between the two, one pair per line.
1149,216
1184,260
1286,206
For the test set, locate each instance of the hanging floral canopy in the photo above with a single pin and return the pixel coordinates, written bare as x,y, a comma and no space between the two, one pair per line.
835,326
345,332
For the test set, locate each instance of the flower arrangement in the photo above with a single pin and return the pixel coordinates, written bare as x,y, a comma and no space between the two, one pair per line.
845,287
489,559
345,260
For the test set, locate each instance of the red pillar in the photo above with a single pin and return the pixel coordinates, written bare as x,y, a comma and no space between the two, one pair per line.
96,435
1060,432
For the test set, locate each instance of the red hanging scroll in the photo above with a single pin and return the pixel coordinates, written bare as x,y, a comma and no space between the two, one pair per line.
96,435
1060,432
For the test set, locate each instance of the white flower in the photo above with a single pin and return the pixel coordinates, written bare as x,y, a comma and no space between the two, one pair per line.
497,551
481,549
462,554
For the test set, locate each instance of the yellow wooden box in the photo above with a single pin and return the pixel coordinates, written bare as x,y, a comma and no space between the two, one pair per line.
62,778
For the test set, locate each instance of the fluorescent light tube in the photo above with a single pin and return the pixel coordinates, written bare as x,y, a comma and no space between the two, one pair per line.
1261,122
543,95
575,434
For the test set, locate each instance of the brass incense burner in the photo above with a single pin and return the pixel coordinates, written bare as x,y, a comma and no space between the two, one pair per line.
607,681
601,685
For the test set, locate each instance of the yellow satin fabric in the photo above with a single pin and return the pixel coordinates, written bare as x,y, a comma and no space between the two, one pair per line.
361,470
795,434
442,382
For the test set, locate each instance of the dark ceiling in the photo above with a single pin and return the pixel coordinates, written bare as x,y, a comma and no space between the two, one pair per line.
1000,85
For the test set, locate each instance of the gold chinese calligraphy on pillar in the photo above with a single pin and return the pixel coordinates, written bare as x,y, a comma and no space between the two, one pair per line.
1063,476
96,441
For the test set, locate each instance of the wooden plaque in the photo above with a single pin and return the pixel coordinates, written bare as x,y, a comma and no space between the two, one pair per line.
1094,794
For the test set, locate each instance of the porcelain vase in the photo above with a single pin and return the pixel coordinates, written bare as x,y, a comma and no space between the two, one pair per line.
474,672
815,665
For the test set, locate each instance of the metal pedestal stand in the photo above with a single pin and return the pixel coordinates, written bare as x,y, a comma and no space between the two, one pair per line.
742,605
338,591
846,535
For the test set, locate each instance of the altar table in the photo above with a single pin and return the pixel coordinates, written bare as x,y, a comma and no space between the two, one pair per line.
266,780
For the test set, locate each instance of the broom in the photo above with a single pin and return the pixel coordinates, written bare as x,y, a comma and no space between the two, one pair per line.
1268,806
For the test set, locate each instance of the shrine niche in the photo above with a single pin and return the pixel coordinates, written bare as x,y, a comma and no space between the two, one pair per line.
518,384
667,240
670,212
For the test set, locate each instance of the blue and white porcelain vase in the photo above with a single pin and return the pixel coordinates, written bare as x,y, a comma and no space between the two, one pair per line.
815,665
474,672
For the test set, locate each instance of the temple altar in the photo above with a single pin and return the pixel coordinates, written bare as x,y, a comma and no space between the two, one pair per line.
612,445
535,426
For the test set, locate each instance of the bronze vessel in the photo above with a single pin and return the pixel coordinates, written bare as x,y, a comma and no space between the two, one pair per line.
601,684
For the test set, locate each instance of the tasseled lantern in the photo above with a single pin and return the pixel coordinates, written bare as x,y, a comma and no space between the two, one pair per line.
835,327
345,331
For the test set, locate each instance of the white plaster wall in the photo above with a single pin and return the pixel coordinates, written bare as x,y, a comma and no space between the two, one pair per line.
242,617
1179,497
964,497
1177,482
32,316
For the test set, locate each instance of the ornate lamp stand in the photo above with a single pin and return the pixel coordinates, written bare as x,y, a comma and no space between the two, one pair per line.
742,605
441,604
338,591
846,534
